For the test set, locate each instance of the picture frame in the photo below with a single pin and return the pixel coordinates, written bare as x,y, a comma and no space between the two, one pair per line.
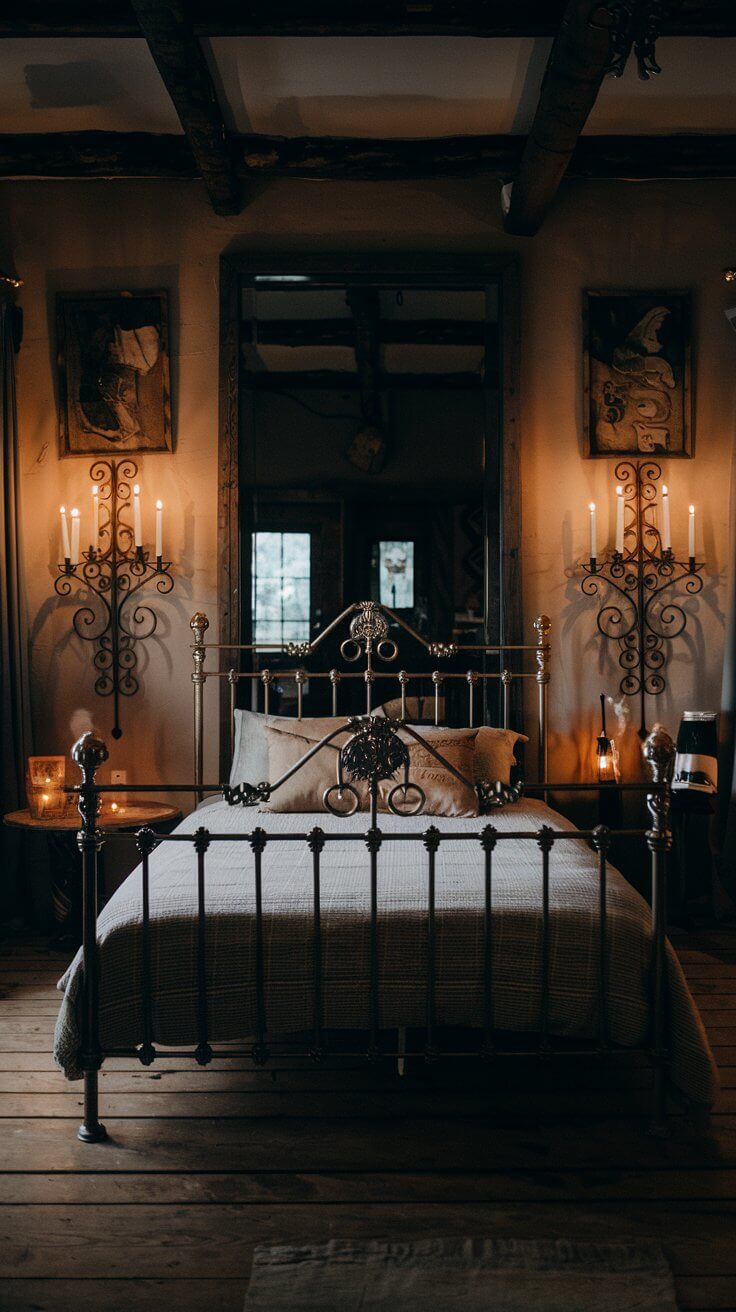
113,363
637,386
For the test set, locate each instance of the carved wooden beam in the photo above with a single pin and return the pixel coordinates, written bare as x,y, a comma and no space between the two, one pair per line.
180,61
577,64
315,18
144,155
95,155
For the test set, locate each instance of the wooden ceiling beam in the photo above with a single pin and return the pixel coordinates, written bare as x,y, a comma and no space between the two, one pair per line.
180,60
143,155
577,65
320,18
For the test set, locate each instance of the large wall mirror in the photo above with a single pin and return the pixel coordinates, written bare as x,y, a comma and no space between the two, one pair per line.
368,447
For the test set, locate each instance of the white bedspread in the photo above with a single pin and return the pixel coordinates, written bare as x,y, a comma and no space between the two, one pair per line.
574,1008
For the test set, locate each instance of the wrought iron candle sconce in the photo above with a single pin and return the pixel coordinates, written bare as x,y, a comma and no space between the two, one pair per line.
636,584
113,570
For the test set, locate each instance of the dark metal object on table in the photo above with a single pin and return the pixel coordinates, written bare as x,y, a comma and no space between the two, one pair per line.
640,612
659,754
113,574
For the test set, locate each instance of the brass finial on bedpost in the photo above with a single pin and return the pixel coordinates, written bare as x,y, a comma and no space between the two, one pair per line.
543,625
199,625
659,754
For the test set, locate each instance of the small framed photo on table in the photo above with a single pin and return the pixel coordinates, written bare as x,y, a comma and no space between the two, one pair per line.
637,397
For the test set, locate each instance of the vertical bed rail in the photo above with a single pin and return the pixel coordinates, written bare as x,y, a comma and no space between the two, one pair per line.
545,842
89,753
659,753
316,841
259,1052
145,841
203,1051
373,840
601,843
431,839
488,843
543,624
199,625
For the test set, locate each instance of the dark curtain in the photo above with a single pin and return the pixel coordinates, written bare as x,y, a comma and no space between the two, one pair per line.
14,702
727,761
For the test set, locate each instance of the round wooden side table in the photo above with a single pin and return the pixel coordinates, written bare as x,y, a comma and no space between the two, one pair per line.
61,831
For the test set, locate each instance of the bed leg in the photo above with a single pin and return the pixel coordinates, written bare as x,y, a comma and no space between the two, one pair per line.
91,1130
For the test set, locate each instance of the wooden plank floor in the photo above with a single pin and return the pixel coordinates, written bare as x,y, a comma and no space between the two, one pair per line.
203,1165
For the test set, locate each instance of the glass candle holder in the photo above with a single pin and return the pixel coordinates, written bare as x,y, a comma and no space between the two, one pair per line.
45,779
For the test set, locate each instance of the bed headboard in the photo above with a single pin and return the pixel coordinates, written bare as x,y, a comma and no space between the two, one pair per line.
373,633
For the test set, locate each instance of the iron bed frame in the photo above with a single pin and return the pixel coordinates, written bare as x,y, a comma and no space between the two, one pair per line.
375,749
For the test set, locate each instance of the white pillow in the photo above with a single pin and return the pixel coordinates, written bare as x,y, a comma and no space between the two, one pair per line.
250,741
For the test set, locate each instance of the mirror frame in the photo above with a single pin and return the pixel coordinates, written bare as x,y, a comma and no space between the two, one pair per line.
502,536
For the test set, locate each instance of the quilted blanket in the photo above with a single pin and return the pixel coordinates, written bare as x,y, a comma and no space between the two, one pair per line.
574,1006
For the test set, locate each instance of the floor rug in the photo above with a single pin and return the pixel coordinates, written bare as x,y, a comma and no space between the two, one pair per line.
475,1275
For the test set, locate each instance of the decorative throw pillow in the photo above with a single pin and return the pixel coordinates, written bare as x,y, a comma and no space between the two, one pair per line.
494,754
445,793
287,742
250,745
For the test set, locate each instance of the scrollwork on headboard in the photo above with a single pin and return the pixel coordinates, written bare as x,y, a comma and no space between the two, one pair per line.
371,644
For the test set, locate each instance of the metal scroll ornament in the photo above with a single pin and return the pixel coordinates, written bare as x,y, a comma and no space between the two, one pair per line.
112,572
640,610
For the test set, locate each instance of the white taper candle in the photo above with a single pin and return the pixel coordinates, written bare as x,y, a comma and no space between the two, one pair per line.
64,533
691,533
137,527
620,520
159,529
666,531
75,537
95,516
593,532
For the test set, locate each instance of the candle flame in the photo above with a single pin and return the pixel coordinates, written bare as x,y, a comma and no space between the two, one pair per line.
44,797
665,491
75,513
159,505
692,510
95,489
591,505
136,489
619,491
113,806
62,510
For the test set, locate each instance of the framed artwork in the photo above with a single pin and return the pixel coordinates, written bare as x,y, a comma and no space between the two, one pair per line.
113,357
637,387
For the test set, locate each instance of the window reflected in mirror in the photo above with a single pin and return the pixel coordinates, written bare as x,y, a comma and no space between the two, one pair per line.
280,592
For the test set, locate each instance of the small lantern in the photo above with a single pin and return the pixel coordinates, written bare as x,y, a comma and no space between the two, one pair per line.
605,752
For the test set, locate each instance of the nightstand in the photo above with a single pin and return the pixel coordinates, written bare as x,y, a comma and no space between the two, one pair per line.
65,867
